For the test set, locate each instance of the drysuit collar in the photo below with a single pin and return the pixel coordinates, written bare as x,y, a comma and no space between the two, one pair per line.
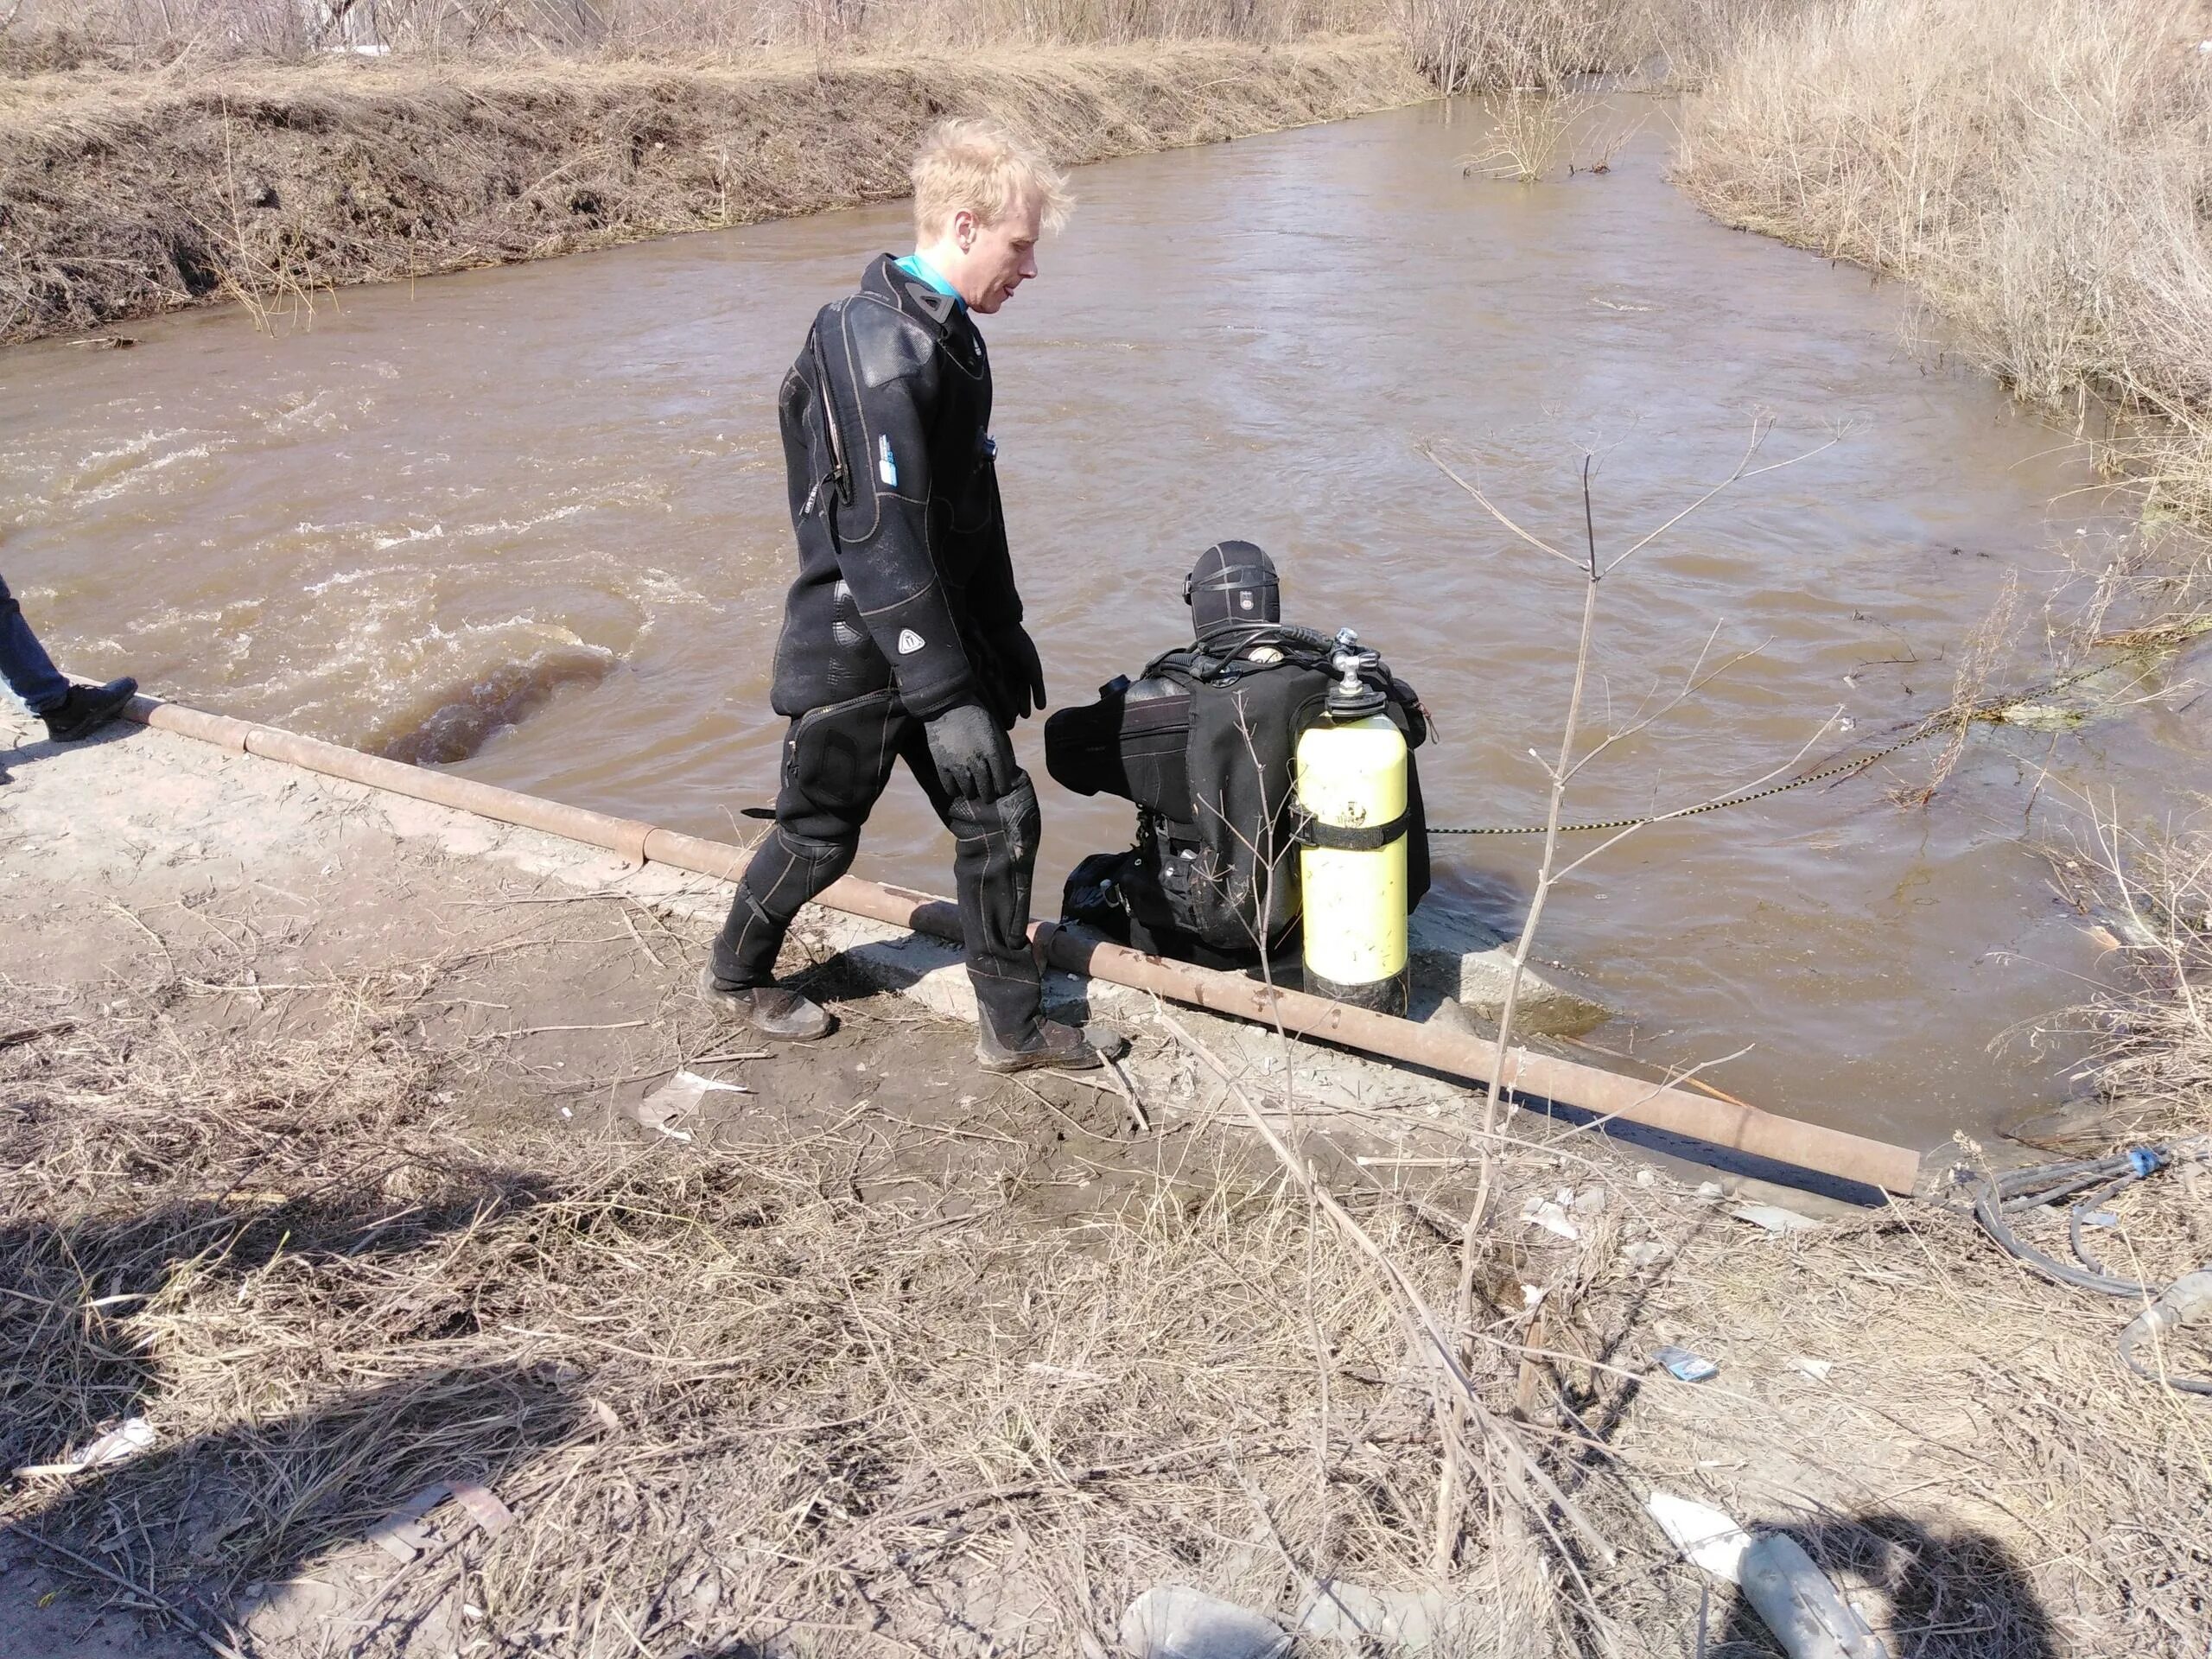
941,313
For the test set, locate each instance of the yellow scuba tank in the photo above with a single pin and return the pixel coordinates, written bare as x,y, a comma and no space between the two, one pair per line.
1351,788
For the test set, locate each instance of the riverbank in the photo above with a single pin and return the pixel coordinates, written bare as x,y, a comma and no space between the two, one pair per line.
126,194
2040,172
336,1148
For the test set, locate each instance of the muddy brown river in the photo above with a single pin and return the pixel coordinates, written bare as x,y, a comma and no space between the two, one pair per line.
530,522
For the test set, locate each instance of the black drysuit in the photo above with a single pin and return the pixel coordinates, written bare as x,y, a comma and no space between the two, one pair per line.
904,606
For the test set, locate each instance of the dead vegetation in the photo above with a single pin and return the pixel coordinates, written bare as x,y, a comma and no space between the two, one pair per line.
131,195
774,1391
2040,171
2149,1030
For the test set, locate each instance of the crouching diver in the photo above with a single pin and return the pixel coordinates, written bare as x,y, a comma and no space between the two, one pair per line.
902,637
1205,742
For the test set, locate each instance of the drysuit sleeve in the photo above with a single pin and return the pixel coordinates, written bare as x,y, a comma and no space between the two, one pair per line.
881,380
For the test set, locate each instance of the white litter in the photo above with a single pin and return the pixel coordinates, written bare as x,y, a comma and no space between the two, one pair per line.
118,1445
1775,1218
1551,1215
1818,1370
680,1094
1707,1537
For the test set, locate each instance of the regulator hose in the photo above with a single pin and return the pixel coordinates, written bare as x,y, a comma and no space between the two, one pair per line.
2081,1185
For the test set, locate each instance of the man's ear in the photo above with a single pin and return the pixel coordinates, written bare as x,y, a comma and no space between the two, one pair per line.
964,228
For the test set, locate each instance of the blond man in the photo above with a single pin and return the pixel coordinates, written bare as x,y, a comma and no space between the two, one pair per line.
902,637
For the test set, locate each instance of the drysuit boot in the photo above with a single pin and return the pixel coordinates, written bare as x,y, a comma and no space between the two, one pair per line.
836,763
88,708
774,1011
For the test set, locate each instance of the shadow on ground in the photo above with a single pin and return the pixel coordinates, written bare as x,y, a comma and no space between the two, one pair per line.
1951,1595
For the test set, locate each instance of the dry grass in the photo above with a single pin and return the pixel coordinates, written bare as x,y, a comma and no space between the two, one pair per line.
2149,1030
128,195
2040,170
727,1397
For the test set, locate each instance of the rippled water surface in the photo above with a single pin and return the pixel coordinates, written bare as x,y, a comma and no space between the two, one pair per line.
534,517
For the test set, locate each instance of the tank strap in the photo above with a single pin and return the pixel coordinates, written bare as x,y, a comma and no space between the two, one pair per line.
1347,838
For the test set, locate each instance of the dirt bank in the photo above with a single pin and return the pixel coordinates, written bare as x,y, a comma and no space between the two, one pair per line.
122,195
323,1148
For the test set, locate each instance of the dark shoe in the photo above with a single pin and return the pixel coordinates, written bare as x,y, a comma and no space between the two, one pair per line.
88,708
771,1010
1054,1047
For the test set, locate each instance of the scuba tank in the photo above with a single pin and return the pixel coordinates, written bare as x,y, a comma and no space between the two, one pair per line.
1352,797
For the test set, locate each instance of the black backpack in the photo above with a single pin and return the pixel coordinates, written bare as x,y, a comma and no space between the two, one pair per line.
1206,746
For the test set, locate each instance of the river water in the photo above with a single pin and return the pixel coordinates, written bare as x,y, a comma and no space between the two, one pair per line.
530,522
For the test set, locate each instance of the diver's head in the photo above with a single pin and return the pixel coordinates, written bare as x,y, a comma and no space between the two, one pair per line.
1232,585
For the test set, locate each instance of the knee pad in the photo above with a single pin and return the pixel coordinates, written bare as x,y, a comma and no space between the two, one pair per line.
835,856
1013,815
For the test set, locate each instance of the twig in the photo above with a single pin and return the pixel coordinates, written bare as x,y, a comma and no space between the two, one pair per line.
213,1643
1138,1120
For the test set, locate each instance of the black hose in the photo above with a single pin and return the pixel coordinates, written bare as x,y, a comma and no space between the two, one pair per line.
2032,1189
2131,1339
2074,1217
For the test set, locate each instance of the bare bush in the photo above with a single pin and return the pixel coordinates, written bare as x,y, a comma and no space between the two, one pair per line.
163,29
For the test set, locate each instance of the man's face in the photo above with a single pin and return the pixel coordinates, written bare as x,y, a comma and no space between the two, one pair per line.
995,259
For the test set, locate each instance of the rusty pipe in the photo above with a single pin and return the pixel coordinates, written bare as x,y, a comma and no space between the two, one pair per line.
1458,1054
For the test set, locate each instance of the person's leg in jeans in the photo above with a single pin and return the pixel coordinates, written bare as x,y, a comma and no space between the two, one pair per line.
70,711
30,673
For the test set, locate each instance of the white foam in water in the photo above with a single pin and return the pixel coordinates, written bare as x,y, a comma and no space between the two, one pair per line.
434,533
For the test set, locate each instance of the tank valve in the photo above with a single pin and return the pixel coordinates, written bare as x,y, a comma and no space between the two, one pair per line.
1351,697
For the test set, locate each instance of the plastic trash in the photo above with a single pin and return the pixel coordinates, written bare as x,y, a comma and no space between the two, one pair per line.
133,1436
1794,1597
1818,1370
1406,1620
1800,1605
1708,1538
680,1094
1775,1218
1686,1366
1171,1622
1551,1215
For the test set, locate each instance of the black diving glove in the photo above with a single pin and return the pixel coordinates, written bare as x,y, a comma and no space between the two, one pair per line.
974,759
1021,676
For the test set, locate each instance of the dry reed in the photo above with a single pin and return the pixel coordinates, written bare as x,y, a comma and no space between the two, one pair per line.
2149,1031
2039,170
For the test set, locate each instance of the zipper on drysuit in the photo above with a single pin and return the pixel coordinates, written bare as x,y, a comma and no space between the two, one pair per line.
838,475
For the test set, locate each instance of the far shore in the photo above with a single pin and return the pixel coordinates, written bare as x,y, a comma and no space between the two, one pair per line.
130,194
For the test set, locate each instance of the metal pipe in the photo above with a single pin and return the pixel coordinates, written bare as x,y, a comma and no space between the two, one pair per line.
1458,1054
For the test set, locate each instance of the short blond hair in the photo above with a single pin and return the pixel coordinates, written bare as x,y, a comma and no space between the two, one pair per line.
979,166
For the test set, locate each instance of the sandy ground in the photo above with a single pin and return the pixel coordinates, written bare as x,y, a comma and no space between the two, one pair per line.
1939,1428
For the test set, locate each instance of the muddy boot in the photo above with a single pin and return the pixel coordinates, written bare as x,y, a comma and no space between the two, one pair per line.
88,708
770,1009
1049,1046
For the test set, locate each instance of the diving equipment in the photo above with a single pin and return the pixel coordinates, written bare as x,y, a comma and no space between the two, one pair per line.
1352,773
1233,584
